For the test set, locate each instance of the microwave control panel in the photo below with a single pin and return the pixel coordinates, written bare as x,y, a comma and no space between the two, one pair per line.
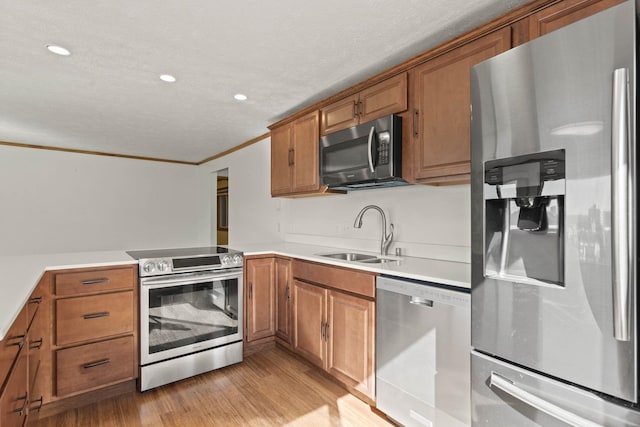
384,147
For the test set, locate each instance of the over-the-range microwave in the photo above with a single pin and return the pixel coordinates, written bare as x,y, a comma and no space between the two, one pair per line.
365,156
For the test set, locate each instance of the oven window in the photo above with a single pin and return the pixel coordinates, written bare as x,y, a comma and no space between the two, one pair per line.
188,314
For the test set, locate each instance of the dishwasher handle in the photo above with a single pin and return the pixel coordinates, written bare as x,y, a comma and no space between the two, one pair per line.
421,301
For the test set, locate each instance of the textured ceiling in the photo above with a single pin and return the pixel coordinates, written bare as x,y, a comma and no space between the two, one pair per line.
283,54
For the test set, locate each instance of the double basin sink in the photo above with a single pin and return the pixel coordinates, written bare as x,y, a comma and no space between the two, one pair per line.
363,258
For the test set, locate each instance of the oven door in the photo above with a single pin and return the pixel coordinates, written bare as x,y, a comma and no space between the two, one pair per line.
186,313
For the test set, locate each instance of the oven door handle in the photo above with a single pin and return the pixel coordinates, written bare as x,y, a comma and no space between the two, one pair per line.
187,280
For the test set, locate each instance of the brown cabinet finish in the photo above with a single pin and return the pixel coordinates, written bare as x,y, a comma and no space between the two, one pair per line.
564,13
95,280
13,341
37,343
350,341
93,317
346,279
93,365
15,396
260,295
340,115
333,329
281,160
305,137
294,157
441,102
386,97
283,299
309,314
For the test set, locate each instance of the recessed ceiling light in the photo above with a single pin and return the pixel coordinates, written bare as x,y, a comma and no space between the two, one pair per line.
58,50
240,97
167,78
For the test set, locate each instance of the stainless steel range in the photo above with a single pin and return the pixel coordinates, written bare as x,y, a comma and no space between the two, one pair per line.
190,312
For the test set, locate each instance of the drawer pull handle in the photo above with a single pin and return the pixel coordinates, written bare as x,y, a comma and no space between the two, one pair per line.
24,404
38,407
20,343
36,300
36,344
95,281
98,363
96,315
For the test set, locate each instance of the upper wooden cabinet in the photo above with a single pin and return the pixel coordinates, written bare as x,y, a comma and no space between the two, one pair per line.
440,104
387,97
294,157
564,13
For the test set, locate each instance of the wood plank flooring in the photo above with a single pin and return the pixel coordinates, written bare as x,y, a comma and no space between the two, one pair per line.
270,388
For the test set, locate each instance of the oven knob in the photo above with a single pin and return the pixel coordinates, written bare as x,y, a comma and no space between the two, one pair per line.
237,259
148,267
226,259
163,266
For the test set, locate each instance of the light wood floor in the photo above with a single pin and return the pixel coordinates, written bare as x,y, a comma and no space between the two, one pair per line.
270,388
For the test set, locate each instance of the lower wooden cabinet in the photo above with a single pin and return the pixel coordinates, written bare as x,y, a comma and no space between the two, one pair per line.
89,366
350,341
15,397
260,297
283,300
94,317
334,329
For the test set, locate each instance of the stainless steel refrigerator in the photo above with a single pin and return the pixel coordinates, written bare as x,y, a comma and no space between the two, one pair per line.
554,257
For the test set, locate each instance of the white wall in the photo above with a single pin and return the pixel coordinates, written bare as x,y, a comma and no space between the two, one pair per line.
54,201
432,222
254,216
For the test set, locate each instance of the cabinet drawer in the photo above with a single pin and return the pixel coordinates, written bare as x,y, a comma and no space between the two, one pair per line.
90,281
10,345
348,280
84,318
93,365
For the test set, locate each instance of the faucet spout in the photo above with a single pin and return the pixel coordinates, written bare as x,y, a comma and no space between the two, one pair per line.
386,239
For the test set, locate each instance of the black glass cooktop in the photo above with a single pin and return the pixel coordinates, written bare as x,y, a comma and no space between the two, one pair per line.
180,252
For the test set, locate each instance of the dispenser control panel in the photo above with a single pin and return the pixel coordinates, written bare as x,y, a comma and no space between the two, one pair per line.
526,171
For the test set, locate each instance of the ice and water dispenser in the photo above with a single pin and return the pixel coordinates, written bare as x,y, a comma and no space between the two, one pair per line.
524,218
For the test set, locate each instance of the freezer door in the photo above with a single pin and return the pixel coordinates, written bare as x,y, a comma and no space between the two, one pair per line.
571,90
504,395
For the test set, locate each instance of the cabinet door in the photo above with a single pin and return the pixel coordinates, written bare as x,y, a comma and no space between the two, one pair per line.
565,13
387,97
281,160
441,107
261,299
306,137
309,303
350,341
283,292
36,338
15,399
340,115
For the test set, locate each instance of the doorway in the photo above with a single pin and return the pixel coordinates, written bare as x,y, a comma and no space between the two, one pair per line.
222,207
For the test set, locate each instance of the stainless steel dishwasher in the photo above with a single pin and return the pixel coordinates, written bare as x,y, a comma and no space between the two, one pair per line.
423,344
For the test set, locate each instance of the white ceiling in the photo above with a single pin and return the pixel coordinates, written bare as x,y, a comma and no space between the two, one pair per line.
283,54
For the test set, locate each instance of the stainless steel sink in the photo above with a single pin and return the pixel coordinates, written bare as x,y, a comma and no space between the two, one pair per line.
350,256
379,260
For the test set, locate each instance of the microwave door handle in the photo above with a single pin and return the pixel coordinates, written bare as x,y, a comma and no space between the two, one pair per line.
370,147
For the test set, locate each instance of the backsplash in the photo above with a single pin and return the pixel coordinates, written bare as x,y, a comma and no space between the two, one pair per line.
431,222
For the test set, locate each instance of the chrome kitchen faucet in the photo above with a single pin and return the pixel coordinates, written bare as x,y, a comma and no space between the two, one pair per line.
385,240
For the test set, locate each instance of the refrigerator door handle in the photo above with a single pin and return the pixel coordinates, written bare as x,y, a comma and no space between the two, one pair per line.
499,382
620,205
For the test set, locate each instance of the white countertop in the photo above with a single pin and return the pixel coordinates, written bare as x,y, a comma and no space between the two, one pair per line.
431,270
21,274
